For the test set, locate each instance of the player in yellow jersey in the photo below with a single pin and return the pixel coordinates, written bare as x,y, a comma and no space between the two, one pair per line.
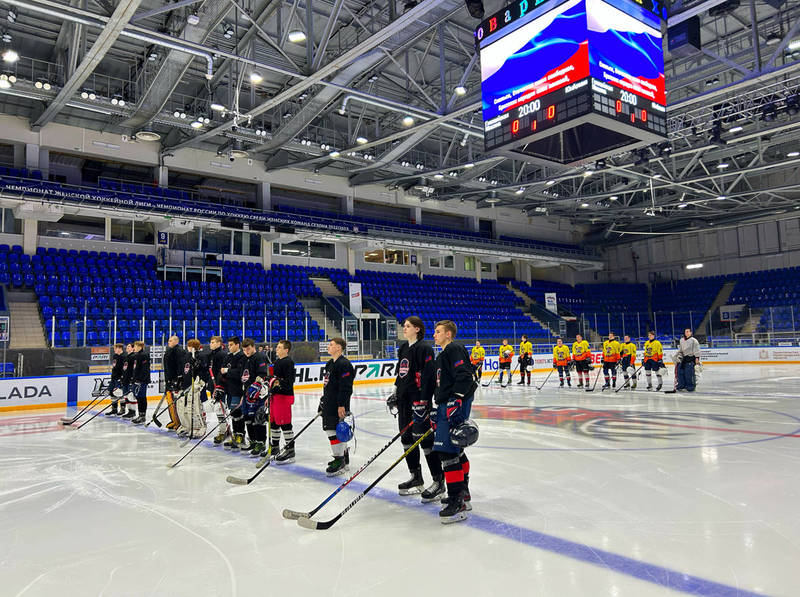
525,360
476,357
611,356
561,361
506,354
582,356
628,353
654,360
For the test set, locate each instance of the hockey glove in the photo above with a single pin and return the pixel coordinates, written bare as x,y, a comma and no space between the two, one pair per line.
237,414
261,416
555,366
218,393
254,392
434,414
391,404
420,410
137,389
455,413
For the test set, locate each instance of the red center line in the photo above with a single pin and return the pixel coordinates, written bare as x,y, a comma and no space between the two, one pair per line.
771,433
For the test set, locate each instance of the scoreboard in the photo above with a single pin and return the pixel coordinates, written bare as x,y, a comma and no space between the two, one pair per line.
588,70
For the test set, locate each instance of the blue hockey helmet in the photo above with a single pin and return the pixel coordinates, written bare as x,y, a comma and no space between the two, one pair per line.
344,428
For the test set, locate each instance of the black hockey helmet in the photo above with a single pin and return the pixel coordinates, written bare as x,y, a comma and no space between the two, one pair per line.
465,434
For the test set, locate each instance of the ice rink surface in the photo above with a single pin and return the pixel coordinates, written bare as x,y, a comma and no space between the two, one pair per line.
574,493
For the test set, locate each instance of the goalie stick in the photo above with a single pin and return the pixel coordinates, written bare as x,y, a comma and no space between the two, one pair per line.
294,515
240,481
326,524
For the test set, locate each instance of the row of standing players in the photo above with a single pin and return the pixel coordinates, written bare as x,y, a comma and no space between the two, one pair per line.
432,400
614,354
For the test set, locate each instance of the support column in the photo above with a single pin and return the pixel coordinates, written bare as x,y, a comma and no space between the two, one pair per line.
416,215
264,196
266,253
478,272
161,174
351,261
107,236
522,271
19,156
348,204
32,156
30,230
44,163
473,223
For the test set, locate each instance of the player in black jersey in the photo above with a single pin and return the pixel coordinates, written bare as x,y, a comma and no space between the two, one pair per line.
455,389
416,379
280,411
115,386
140,379
335,403
216,361
232,377
127,386
255,380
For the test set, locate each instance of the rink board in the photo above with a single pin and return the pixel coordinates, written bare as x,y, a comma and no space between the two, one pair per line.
24,393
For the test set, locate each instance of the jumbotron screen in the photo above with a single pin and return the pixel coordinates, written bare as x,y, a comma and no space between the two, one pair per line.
546,65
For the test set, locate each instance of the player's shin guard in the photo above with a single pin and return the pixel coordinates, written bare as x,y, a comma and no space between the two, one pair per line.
453,475
288,436
275,437
337,447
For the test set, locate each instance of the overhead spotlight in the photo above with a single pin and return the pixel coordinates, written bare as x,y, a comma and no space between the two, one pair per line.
481,179
408,121
196,124
148,134
550,183
773,39
584,205
255,77
152,56
664,148
722,165
228,32
334,154
794,45
11,16
206,119
460,90
735,129
419,166
469,165
85,94
494,183
287,115
438,176
682,205
297,36
613,198
405,164
182,115
793,154
475,8
10,56
303,96
657,176
520,190
5,81
176,113
452,174
721,197
117,100
362,140
588,173
217,107
373,78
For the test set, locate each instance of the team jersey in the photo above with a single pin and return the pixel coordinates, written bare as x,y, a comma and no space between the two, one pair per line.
506,352
284,372
454,376
477,355
580,351
414,370
628,349
525,349
611,350
561,354
653,350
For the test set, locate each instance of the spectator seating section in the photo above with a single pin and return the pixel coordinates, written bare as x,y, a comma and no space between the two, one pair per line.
185,203
683,304
73,285
770,288
782,318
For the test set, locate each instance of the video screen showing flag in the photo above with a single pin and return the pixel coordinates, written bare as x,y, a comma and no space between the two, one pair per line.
534,58
625,49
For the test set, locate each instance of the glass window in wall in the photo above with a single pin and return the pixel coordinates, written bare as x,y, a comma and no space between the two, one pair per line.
255,244
77,227
448,262
11,225
469,264
322,250
144,233
374,256
486,267
434,262
396,257
121,231
298,248
216,241
189,241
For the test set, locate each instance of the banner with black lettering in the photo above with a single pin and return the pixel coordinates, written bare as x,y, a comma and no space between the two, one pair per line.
33,391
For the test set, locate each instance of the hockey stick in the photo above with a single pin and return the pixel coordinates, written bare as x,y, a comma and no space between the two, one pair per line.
545,380
202,439
627,381
599,371
294,515
322,525
155,410
510,377
71,420
491,379
240,481
104,409
157,413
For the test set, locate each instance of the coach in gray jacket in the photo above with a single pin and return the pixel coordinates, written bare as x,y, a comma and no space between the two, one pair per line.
687,356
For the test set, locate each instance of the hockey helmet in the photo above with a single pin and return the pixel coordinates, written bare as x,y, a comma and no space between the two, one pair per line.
344,428
465,434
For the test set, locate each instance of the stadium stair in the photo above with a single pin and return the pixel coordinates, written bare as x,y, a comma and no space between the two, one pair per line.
327,287
312,307
722,298
528,302
751,325
26,325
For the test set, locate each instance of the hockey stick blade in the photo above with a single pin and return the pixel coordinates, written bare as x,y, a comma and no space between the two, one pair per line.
237,480
294,515
317,525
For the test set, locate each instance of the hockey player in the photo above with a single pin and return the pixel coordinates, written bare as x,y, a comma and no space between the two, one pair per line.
173,362
255,387
455,389
335,403
611,350
561,361
476,357
216,361
190,405
115,385
628,360
140,379
506,354
280,410
525,360
232,377
414,387
582,356
127,384
687,357
653,360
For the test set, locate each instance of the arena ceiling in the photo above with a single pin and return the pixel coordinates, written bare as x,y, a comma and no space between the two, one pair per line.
388,92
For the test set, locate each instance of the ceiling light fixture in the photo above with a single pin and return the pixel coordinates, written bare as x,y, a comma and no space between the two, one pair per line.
334,154
10,56
408,121
735,129
296,36
361,140
255,77
460,90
